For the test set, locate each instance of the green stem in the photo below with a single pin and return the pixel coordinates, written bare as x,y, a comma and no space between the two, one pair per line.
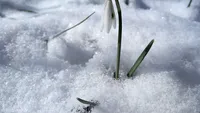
140,59
116,75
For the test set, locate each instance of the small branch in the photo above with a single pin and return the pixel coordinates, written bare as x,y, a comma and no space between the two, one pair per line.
72,26
116,75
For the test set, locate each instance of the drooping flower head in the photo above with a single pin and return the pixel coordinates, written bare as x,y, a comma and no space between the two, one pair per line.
109,18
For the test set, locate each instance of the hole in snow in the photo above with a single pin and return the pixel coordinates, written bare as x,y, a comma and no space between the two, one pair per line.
71,52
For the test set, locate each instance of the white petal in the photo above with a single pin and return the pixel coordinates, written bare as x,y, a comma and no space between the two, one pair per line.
103,17
113,16
109,18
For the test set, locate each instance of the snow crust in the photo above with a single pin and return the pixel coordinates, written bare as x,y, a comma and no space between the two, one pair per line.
40,77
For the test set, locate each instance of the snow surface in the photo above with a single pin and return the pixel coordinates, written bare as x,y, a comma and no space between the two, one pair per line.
37,77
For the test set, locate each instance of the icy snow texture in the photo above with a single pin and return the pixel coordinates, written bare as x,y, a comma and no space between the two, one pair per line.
46,78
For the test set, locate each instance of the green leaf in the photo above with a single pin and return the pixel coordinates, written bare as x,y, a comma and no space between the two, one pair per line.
189,4
140,59
87,102
72,26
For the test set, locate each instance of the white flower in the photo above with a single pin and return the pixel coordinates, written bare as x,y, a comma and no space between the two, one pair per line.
109,18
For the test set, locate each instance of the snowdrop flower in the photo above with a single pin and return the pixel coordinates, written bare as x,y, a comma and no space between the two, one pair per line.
109,18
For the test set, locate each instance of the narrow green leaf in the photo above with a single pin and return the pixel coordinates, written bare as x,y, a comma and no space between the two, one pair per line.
189,3
86,102
72,26
140,59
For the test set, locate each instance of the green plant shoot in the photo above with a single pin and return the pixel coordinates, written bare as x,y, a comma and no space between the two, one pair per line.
140,59
72,26
189,3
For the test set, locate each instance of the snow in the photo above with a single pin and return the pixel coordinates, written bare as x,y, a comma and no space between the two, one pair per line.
40,77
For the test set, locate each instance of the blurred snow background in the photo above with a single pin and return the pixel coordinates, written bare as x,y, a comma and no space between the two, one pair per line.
46,78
